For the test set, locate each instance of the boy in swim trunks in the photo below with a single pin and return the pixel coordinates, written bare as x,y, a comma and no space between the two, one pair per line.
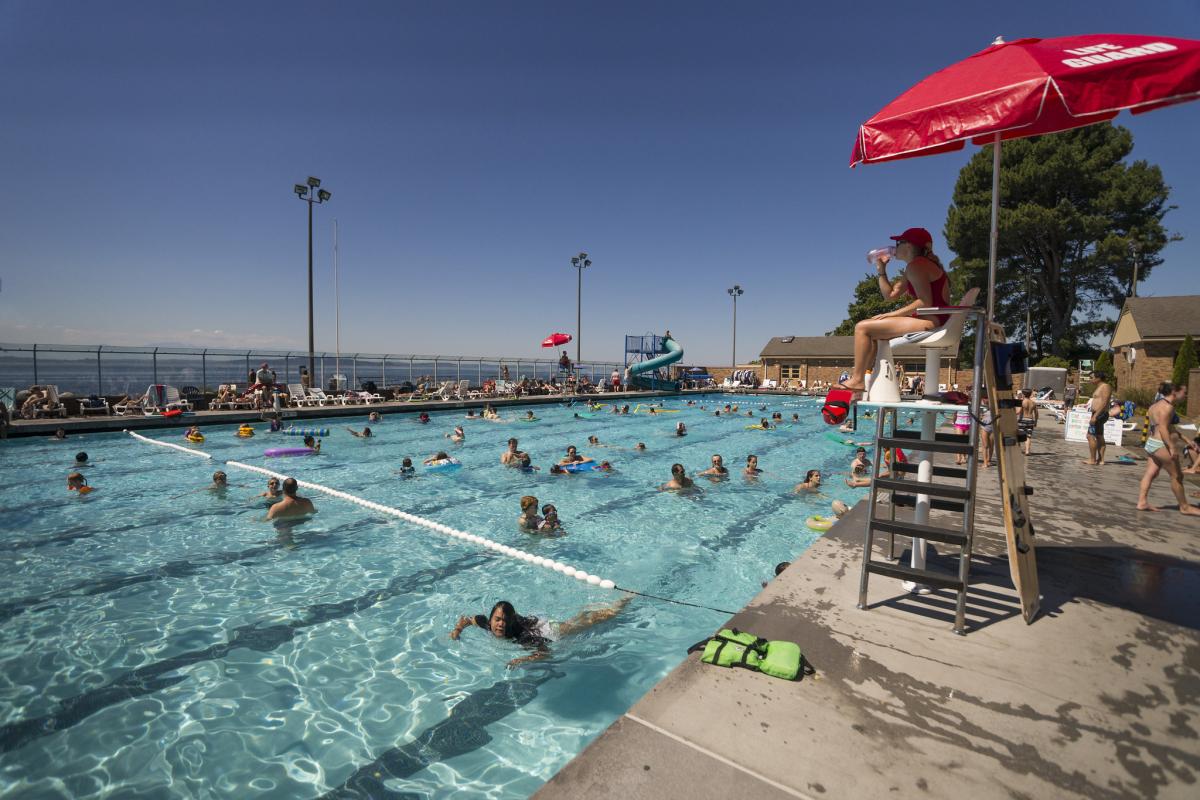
1101,398
1162,449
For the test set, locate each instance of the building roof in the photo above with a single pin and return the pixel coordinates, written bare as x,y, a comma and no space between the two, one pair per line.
823,347
1146,318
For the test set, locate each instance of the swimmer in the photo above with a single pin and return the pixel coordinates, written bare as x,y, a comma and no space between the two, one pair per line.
292,505
530,632
766,426
81,459
550,521
716,413
812,482
273,494
276,424
529,415
374,416
60,434
470,414
525,464
605,466
529,519
679,480
625,409
839,508
718,469
423,418
366,433
220,482
312,444
795,417
752,470
489,412
573,457
406,468
439,456
592,440
458,435
193,431
680,429
77,483
512,455
556,469
779,568
640,446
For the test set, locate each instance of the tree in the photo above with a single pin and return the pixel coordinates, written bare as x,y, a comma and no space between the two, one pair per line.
1104,364
1185,361
1054,361
1075,218
868,301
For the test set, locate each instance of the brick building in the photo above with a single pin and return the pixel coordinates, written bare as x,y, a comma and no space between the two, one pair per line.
1148,335
825,358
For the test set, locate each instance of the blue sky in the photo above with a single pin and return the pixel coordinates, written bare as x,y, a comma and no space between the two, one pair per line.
472,148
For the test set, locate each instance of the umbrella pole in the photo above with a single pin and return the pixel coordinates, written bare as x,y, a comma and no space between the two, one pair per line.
995,236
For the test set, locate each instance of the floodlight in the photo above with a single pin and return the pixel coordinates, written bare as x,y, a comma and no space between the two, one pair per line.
314,182
301,189
323,195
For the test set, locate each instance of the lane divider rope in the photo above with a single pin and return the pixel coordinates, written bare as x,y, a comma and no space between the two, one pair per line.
179,447
511,552
503,549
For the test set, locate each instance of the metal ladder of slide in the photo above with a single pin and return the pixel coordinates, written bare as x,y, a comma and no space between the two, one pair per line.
913,485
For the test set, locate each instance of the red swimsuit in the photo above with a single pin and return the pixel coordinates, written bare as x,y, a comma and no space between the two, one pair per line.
939,290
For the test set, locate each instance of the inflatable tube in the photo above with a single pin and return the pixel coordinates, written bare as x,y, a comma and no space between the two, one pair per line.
756,428
586,466
819,523
445,465
245,433
198,438
278,452
306,431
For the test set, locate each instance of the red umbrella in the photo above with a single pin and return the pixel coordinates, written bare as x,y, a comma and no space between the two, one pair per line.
1026,88
556,339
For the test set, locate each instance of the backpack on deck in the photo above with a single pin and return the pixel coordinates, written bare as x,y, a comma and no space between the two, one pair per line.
733,648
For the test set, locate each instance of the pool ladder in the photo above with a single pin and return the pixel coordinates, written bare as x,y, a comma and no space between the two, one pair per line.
921,497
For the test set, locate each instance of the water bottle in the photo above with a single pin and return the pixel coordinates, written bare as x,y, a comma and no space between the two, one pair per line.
875,254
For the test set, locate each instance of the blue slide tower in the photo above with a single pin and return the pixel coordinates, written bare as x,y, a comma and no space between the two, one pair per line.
648,359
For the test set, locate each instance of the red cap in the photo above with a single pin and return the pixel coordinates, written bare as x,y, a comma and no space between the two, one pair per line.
915,236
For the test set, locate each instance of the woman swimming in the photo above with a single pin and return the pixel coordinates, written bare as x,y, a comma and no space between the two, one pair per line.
531,632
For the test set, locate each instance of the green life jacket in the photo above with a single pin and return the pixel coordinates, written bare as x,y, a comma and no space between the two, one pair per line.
733,648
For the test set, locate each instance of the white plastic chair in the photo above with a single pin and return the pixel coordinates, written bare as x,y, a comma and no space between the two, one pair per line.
937,344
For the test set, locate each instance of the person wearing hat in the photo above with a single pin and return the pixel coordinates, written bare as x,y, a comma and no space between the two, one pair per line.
923,279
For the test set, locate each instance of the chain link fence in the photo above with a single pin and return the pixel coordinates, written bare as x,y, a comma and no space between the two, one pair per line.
108,370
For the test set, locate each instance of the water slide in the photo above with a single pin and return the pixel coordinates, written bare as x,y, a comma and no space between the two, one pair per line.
674,352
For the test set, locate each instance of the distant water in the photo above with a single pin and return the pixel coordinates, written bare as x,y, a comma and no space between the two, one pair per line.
117,373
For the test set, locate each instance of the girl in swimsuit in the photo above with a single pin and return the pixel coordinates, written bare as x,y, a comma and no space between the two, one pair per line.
923,279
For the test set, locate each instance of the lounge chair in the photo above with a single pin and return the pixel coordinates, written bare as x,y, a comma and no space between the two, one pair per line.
297,395
174,400
446,390
94,404
320,397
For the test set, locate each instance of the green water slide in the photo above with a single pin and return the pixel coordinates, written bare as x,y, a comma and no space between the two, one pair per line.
674,352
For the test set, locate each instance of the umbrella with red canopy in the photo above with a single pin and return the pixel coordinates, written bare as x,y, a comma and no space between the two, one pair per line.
556,339
1030,87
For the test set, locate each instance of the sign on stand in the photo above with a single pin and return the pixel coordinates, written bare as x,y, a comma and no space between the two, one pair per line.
1077,425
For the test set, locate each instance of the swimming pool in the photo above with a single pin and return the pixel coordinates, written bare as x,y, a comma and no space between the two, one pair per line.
160,640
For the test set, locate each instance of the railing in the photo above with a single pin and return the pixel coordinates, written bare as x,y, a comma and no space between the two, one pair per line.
108,370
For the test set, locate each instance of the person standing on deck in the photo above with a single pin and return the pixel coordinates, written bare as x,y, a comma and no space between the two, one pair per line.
1098,405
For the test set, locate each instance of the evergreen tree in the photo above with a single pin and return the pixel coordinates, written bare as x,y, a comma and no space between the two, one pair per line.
868,301
1185,361
1105,364
1075,219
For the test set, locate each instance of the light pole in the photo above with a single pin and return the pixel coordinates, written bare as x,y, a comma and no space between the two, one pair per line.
579,262
311,193
734,292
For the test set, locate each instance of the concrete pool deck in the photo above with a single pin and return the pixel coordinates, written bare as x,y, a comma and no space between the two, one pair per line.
1098,698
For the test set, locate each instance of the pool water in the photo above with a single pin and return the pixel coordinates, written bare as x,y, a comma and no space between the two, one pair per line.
158,639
